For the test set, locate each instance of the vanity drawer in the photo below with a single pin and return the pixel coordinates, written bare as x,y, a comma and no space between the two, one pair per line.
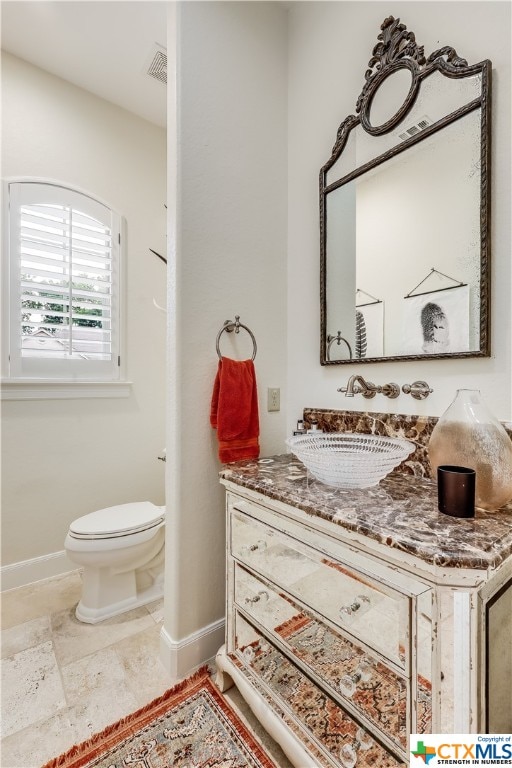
349,673
375,614
323,721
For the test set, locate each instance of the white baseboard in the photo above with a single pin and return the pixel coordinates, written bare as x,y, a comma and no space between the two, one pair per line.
28,571
182,656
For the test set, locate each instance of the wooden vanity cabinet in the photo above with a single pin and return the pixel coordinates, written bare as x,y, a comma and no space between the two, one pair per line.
343,646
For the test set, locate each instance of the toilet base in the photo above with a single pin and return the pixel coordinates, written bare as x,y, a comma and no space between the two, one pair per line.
105,594
90,615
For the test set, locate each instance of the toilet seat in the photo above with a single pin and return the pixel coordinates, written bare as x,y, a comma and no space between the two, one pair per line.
118,521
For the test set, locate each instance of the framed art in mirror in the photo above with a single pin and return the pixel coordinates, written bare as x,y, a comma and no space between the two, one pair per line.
405,210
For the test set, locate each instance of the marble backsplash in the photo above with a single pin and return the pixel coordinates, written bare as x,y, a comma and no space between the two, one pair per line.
417,429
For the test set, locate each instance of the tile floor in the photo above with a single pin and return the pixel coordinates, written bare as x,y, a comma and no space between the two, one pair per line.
63,680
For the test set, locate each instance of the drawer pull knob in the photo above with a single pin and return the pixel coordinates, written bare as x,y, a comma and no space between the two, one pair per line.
348,752
364,740
260,545
347,611
247,550
257,597
348,756
249,653
348,683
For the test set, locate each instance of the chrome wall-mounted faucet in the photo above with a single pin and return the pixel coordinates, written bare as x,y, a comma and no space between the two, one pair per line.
357,385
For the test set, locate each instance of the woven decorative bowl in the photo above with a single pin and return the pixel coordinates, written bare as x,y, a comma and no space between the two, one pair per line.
346,460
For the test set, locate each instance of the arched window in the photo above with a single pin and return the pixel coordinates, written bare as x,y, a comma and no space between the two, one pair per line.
64,292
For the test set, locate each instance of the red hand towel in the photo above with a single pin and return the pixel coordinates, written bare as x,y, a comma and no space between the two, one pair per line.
234,410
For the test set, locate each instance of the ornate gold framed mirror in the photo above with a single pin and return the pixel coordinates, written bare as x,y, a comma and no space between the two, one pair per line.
405,210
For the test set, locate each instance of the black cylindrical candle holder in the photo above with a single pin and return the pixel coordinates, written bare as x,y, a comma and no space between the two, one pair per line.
456,490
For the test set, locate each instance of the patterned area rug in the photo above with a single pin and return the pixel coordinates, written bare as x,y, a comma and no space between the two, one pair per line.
190,726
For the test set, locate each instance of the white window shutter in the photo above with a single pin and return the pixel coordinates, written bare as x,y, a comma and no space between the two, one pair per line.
64,302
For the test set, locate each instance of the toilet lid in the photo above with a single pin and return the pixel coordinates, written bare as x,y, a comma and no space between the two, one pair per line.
118,521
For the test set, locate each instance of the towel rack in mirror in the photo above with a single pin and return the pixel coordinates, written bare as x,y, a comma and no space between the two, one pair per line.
230,326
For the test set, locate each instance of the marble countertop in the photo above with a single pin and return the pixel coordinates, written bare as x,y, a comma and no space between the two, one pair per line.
401,512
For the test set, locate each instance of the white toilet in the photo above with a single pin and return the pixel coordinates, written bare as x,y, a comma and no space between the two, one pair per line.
121,550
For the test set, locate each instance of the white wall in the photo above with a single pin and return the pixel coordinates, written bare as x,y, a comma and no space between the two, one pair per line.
330,44
230,259
65,458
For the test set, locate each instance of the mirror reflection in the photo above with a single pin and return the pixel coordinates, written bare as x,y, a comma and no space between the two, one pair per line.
404,218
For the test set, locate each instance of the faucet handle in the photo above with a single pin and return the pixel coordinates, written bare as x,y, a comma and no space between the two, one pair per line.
420,390
391,390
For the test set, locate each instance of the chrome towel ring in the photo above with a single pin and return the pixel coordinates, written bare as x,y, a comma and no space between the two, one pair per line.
339,338
230,326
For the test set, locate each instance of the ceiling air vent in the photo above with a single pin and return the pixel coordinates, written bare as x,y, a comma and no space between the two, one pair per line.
158,67
416,128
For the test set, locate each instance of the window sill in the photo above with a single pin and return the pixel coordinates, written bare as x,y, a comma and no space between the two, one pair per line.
42,389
